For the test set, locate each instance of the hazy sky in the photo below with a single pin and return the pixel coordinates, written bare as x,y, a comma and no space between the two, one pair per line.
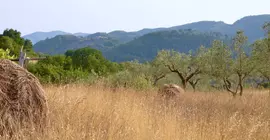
90,16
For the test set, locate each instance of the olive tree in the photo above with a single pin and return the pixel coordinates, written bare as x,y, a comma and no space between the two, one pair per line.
152,71
261,55
242,65
232,65
156,70
219,63
184,65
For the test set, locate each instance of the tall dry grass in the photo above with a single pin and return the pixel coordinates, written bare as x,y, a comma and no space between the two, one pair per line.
79,112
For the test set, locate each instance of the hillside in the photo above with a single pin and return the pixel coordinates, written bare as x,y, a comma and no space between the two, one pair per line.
146,47
61,43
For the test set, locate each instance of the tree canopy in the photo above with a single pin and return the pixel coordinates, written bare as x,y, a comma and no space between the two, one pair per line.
11,39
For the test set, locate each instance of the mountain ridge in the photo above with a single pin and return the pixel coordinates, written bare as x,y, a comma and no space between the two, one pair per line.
113,43
206,25
61,43
40,35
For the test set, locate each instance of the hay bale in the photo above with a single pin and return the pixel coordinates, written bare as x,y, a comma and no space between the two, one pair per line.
169,91
22,101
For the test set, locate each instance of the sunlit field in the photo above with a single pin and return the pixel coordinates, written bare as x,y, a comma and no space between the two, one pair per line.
80,112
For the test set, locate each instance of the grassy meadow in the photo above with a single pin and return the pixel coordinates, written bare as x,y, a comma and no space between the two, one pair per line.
81,112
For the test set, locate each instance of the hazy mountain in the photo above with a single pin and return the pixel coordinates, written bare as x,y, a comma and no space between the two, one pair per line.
37,36
128,36
121,45
61,43
250,24
214,26
146,47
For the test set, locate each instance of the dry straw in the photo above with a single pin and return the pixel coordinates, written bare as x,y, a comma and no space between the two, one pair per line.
23,105
170,91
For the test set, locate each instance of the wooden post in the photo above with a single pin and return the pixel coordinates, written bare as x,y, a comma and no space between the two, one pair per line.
22,57
23,60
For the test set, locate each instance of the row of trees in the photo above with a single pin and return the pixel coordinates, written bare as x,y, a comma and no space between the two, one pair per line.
224,66
221,65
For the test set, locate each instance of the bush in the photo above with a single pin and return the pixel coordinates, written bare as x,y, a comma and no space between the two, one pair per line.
5,54
128,79
82,65
56,74
266,85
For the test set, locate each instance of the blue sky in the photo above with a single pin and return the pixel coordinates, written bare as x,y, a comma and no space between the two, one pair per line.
91,16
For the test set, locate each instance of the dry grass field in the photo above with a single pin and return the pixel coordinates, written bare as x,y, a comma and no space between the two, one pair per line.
80,112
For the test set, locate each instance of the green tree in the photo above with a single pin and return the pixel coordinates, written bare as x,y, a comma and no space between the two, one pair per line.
28,46
219,63
242,65
59,61
89,59
69,53
12,40
232,65
198,60
15,35
82,56
6,43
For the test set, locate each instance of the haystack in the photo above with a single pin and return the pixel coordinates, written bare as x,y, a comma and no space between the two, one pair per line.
23,105
170,91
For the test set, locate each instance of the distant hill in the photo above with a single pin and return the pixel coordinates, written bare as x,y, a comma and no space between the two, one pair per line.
37,36
118,42
206,26
146,47
250,24
61,43
128,36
